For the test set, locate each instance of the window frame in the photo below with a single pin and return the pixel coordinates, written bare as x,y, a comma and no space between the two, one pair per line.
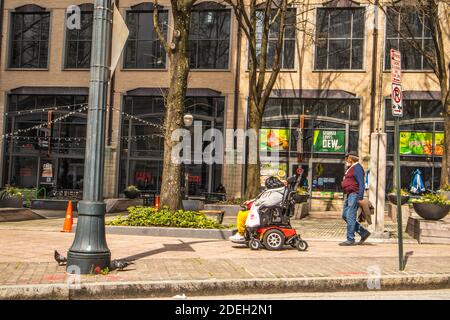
123,66
398,38
65,49
9,53
364,38
229,62
296,41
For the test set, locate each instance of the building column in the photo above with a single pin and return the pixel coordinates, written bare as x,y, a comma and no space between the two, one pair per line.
377,182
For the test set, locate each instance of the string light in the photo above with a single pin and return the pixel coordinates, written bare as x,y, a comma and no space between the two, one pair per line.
44,109
14,135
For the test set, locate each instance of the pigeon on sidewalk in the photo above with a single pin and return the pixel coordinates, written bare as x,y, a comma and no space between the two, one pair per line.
120,264
60,259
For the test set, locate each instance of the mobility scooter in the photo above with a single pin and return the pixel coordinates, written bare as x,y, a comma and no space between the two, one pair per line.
275,230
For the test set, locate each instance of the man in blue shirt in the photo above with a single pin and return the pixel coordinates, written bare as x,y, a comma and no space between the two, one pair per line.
353,186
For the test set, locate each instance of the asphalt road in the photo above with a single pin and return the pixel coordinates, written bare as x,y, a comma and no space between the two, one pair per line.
366,295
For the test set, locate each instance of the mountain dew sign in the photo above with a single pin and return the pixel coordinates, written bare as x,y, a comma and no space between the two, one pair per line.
329,141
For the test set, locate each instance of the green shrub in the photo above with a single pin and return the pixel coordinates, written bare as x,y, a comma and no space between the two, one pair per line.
433,199
150,217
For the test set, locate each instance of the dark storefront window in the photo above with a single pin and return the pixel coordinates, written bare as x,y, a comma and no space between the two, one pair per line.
339,39
421,142
78,41
330,127
29,40
142,144
143,49
288,50
57,148
406,22
209,39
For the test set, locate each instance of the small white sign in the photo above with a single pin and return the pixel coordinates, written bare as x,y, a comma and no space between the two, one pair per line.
396,67
397,100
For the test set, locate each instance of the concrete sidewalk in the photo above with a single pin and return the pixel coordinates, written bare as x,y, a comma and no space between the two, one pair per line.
165,267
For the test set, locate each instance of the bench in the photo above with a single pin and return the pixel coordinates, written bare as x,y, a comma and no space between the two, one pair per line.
219,214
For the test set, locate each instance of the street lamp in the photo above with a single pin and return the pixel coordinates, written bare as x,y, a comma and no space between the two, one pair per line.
188,119
89,251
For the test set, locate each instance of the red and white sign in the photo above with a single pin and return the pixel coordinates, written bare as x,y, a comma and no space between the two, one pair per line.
396,67
396,78
397,100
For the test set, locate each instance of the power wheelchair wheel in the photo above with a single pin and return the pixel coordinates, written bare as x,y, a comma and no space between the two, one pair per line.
274,239
302,245
254,244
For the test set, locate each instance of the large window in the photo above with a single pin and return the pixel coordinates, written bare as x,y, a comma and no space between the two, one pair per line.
403,27
143,49
421,142
78,41
29,39
339,39
142,144
60,144
288,50
209,39
319,114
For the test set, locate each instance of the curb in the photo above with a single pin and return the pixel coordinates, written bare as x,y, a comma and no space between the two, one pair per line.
217,234
167,289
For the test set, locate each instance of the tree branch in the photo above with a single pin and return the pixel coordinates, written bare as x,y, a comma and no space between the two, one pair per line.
158,31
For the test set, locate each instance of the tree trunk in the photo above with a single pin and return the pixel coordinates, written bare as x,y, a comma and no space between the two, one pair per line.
179,71
445,170
253,182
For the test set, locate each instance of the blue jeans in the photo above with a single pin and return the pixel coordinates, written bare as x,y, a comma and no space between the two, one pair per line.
349,216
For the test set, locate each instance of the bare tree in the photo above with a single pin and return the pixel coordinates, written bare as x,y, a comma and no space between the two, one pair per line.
257,20
178,55
434,15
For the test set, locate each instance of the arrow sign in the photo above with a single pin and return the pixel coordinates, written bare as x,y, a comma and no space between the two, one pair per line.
120,34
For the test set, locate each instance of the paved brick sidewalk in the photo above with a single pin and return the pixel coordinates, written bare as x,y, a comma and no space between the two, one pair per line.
26,257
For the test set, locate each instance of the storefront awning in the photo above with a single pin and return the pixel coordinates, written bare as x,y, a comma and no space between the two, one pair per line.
422,95
312,94
190,92
56,91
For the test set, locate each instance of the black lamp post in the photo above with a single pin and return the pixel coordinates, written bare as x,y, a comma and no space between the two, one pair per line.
89,249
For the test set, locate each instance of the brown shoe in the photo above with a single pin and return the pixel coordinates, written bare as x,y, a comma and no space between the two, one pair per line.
363,239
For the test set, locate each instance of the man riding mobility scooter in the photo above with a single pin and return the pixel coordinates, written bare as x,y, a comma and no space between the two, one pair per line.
274,229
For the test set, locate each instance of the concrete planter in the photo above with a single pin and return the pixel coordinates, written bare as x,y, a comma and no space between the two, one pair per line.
231,210
430,211
11,203
131,194
392,212
301,210
393,198
193,205
121,204
220,234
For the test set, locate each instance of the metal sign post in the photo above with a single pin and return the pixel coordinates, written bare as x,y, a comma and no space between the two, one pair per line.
397,112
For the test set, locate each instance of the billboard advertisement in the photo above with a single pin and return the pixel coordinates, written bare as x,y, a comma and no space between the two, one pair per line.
329,141
421,143
274,139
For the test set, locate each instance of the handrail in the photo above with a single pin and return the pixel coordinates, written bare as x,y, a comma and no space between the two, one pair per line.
39,190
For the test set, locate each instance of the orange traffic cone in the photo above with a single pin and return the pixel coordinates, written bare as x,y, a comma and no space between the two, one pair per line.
157,202
68,222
